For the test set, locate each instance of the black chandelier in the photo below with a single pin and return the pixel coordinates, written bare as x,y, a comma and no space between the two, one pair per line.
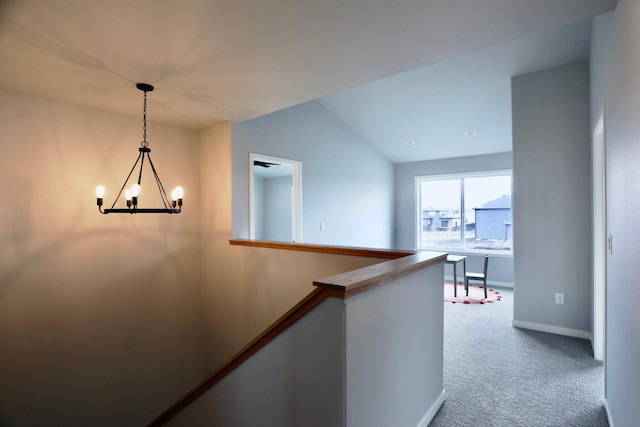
131,194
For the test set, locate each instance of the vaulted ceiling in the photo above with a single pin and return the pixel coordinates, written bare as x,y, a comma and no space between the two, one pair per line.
213,60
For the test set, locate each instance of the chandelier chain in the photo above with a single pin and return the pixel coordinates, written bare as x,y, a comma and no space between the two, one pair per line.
144,142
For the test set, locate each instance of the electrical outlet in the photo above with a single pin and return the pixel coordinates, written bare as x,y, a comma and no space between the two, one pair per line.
322,226
559,298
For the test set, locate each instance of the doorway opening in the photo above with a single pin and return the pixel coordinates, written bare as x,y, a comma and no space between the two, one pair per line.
275,198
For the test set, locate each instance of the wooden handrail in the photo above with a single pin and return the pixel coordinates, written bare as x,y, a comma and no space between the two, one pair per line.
338,250
346,285
303,307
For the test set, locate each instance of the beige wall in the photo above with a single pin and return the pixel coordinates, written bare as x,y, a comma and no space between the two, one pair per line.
100,322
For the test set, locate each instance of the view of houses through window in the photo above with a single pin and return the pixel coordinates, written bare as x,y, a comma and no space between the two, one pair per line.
467,212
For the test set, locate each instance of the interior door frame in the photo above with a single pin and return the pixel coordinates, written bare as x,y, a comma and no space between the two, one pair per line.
296,194
599,200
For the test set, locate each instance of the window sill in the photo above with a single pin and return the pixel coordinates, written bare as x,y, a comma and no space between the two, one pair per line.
469,252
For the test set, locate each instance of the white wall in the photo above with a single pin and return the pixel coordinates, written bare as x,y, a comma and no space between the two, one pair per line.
619,86
601,33
500,268
259,207
552,198
346,184
100,320
278,205
394,358
272,204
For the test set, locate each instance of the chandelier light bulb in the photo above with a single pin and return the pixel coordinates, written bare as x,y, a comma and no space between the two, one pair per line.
135,190
127,195
99,195
177,193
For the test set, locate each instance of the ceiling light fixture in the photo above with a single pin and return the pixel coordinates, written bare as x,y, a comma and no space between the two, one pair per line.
131,194
470,133
409,142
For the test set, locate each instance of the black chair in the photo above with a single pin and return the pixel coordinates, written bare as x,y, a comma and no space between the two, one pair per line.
480,277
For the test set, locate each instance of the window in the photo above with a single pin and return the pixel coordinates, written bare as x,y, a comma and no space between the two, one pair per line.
470,212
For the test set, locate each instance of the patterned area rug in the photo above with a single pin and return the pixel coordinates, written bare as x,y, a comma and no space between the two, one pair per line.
476,294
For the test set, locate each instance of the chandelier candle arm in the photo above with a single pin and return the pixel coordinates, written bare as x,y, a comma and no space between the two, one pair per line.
132,194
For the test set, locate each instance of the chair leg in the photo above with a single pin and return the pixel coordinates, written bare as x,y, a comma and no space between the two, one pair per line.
466,285
455,281
485,288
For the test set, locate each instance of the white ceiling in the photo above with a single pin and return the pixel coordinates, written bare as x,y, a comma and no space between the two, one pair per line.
215,60
434,106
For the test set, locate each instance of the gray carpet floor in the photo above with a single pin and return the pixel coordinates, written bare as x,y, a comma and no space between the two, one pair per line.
498,375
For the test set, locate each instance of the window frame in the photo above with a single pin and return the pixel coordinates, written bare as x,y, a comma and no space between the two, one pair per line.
418,179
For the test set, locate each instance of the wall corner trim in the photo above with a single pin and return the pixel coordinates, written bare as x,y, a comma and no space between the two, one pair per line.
433,410
608,412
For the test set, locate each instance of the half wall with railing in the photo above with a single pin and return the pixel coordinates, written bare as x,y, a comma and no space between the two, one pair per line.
364,348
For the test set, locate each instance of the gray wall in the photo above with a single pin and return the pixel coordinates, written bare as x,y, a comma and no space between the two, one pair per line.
346,184
601,32
259,207
277,208
500,267
552,198
272,208
394,362
618,82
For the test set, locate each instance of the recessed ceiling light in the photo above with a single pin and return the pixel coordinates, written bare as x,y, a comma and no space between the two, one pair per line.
409,142
470,133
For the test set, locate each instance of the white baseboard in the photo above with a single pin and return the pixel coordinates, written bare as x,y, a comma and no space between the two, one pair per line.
558,330
490,282
450,278
433,410
500,284
606,410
